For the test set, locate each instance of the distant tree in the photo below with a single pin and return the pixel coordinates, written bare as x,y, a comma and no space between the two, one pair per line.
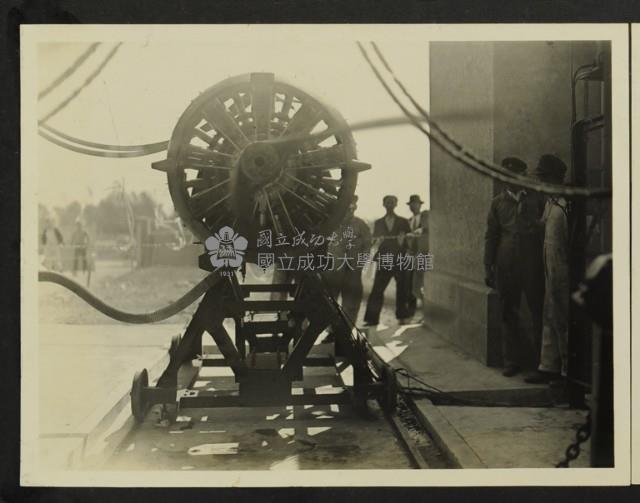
68,215
90,214
143,205
111,215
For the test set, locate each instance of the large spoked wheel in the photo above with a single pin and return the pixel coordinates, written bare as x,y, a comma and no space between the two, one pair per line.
240,155
139,404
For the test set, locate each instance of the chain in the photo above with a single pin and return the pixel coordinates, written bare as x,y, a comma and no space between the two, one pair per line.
573,451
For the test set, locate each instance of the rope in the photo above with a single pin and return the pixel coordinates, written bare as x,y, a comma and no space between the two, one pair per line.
95,153
69,71
77,144
150,147
161,314
87,81
458,151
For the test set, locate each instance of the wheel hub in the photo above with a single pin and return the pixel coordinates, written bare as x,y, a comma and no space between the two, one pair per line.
261,163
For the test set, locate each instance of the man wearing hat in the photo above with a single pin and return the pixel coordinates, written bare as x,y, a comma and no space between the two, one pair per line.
346,282
389,235
417,242
513,265
555,331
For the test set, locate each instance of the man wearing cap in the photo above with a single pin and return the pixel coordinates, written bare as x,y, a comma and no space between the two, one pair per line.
513,264
389,235
555,331
417,242
354,238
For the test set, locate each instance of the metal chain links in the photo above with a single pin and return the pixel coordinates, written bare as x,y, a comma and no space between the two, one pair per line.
573,451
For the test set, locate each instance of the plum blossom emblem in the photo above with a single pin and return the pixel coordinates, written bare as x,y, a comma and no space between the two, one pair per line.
226,248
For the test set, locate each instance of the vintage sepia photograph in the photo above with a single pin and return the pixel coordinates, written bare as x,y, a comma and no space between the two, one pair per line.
325,255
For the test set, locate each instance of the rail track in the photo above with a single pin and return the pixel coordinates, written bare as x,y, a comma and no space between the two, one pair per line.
294,437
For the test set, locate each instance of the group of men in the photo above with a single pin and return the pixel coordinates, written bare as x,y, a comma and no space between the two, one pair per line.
527,251
393,236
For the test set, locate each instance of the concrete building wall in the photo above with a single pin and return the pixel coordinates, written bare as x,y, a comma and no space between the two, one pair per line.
532,86
498,99
457,303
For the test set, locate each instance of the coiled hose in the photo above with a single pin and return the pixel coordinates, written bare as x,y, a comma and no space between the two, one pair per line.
140,318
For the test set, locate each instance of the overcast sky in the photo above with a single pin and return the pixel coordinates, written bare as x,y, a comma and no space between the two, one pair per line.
144,89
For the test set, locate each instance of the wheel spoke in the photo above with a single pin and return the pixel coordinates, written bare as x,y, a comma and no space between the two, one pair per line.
303,121
323,195
299,197
208,169
286,105
321,136
204,154
276,223
240,104
262,103
198,196
325,157
216,114
286,212
206,211
197,132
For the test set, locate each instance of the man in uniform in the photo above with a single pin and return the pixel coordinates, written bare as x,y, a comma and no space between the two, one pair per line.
555,331
389,235
417,242
345,280
513,263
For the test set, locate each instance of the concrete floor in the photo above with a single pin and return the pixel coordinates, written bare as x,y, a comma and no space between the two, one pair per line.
84,370
500,437
263,438
518,437
437,361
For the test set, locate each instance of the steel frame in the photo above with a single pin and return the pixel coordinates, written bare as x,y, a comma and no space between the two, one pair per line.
266,357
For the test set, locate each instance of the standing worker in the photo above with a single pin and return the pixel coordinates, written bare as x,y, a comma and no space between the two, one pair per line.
389,233
52,242
80,244
513,264
555,331
417,242
346,282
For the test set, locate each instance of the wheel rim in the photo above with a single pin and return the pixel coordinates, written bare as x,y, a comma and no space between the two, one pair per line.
224,166
138,401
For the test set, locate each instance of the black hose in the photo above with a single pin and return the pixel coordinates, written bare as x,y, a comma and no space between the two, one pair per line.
161,314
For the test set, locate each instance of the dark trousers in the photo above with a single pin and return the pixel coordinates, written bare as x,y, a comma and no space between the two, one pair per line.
376,298
80,256
347,285
415,279
513,343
